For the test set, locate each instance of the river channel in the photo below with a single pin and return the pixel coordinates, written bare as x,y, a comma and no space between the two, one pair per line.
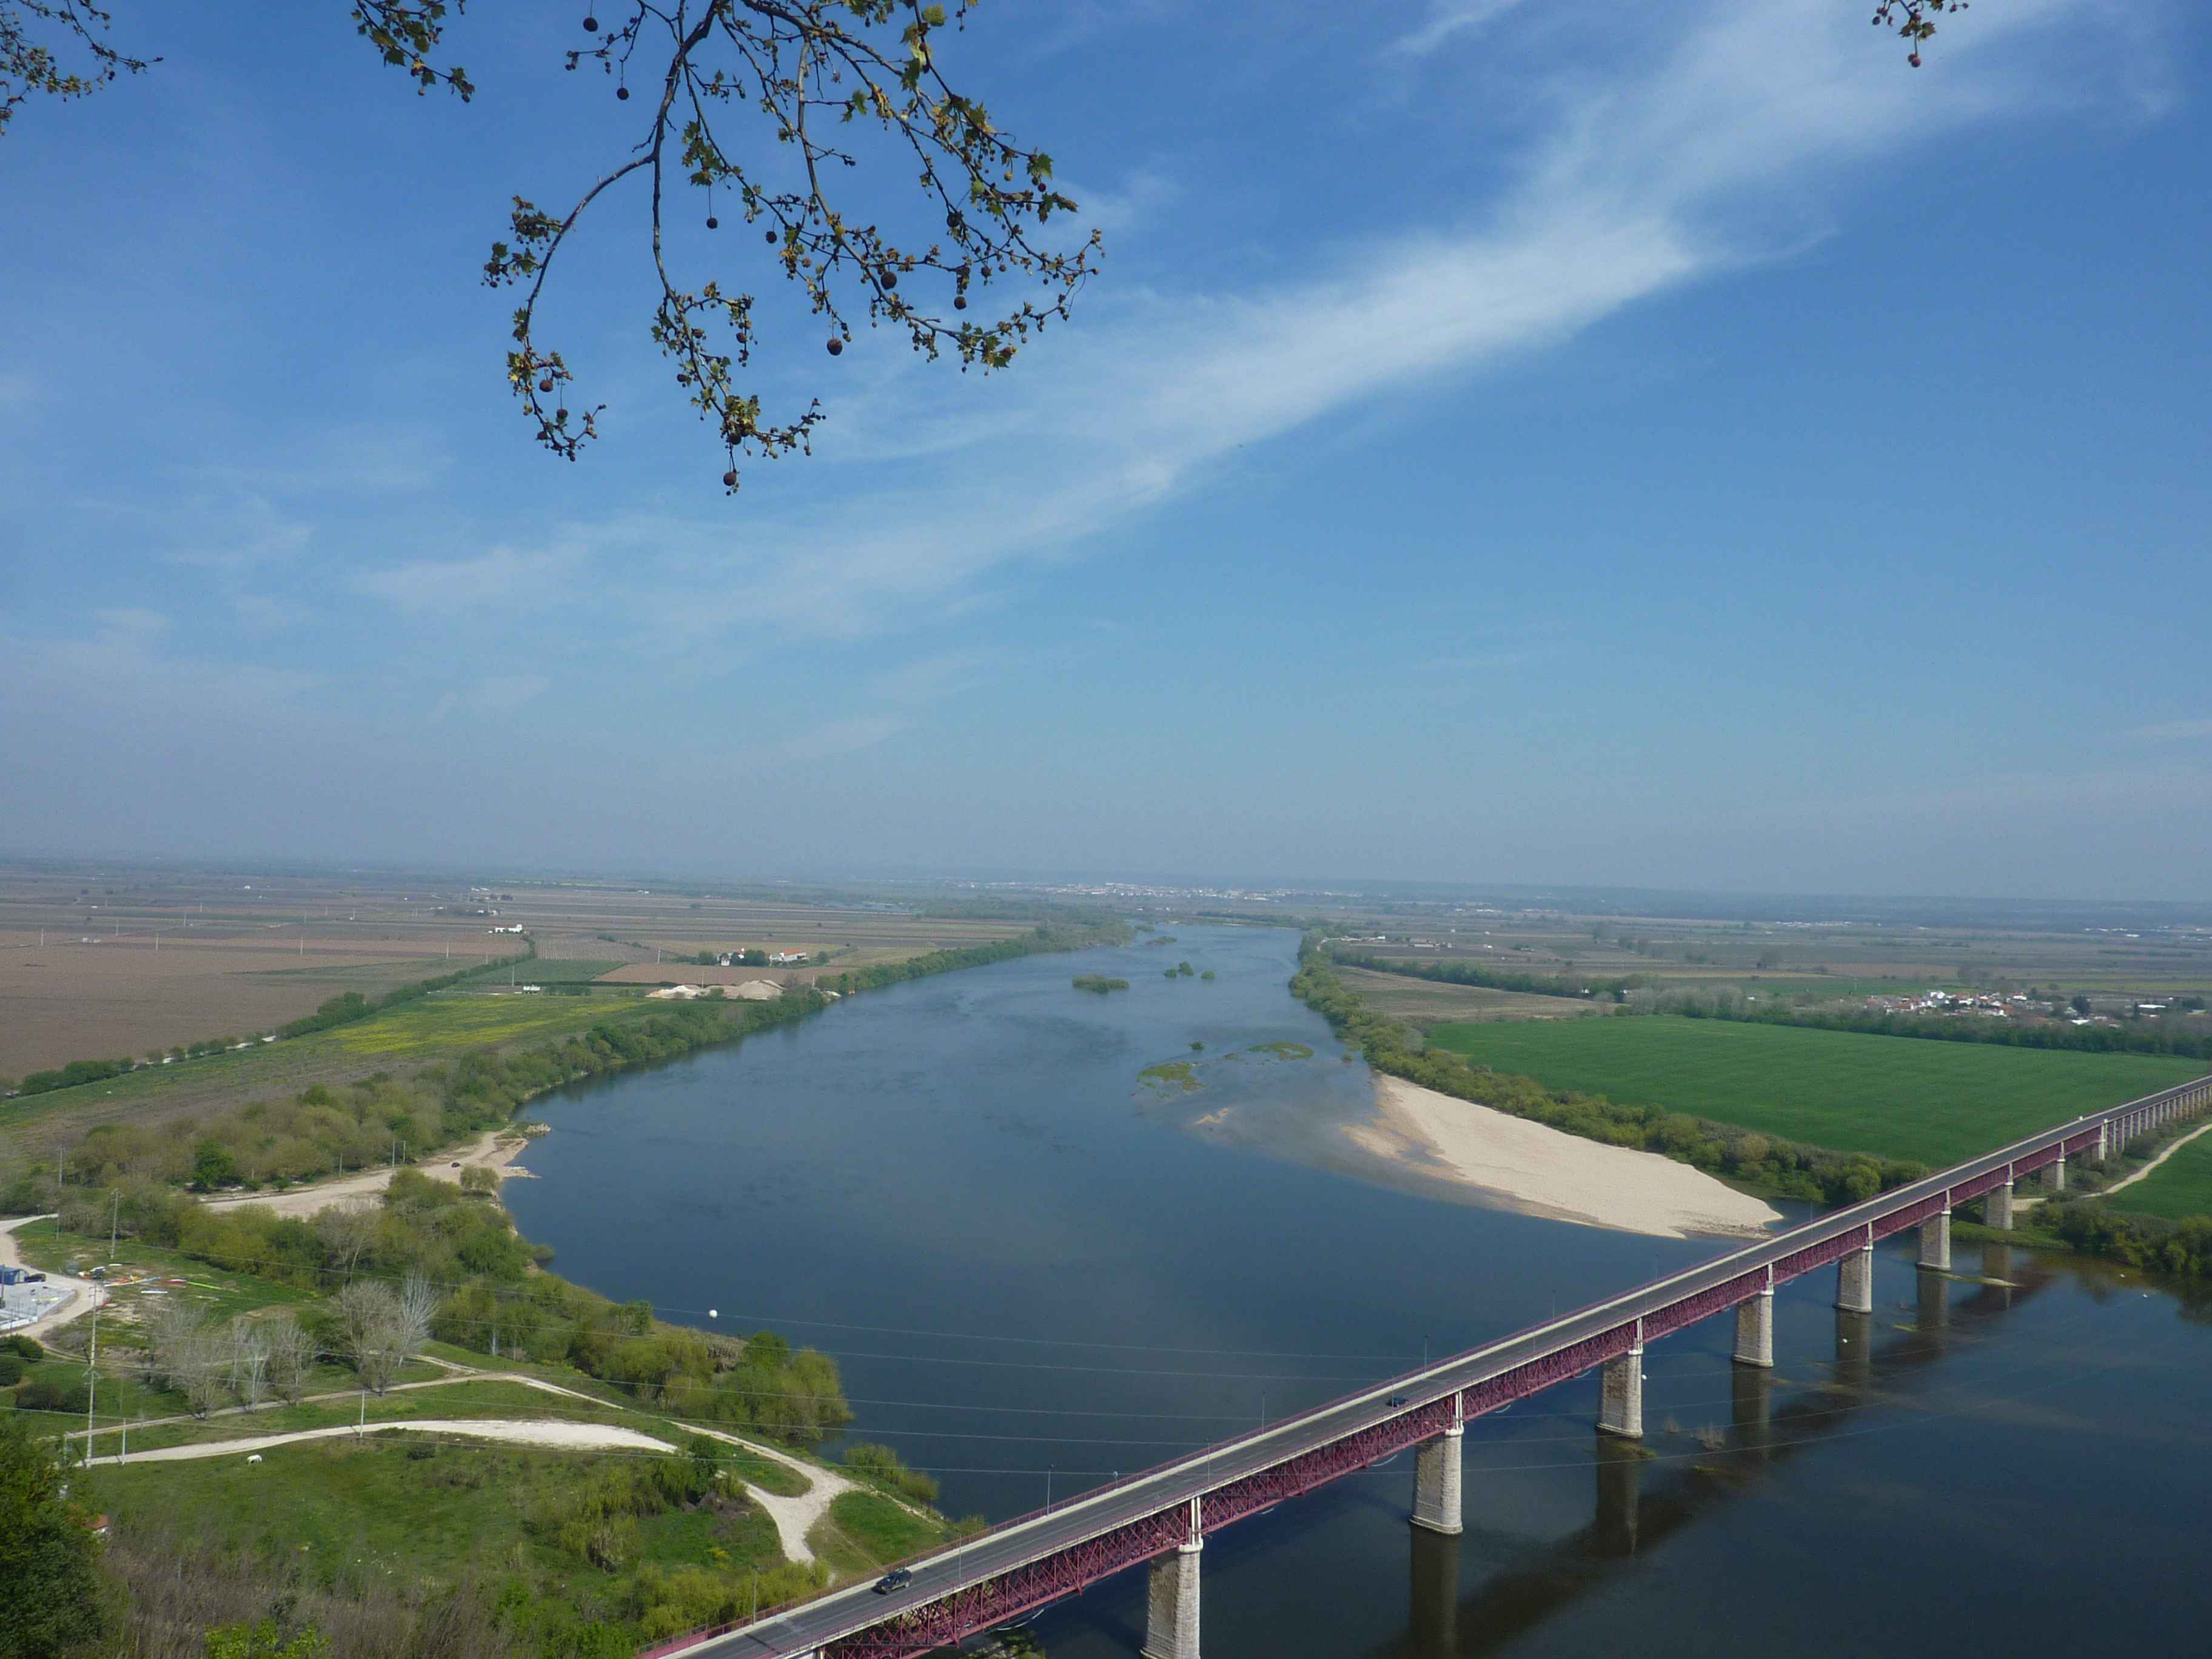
1038,1268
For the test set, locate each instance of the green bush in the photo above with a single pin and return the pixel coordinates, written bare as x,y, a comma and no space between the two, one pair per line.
11,1369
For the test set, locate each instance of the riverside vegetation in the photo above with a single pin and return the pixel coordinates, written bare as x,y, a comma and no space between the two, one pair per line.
2079,1219
602,1554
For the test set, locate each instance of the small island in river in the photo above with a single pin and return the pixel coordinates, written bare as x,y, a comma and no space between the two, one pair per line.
1099,983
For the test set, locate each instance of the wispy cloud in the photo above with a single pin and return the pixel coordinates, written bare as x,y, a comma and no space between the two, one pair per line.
1448,19
503,576
2190,731
1649,180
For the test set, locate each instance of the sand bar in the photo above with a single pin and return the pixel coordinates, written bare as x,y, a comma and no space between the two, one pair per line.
1524,1166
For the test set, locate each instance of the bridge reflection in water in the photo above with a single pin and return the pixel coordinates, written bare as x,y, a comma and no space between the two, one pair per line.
1642,1501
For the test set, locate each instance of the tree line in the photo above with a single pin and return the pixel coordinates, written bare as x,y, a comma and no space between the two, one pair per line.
1042,939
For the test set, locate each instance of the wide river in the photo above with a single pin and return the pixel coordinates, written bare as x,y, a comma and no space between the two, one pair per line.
1038,1269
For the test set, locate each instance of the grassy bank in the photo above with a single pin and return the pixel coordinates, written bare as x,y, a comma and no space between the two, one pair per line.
1890,1096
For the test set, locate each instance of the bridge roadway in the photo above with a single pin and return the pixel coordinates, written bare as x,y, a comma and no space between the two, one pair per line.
1023,1565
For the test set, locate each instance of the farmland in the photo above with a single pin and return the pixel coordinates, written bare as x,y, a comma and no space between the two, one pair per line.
1893,1096
186,957
1424,1001
415,1033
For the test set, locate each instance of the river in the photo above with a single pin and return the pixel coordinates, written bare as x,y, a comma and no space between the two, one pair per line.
1038,1269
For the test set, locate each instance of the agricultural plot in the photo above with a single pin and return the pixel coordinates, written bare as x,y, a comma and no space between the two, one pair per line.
71,1000
1425,1000
1892,1096
436,1028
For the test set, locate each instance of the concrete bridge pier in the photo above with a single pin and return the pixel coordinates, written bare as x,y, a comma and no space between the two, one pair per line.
2054,1176
1171,1600
1621,1398
2001,1206
1936,1242
1854,1281
1432,1623
1436,1480
1754,1330
1620,1480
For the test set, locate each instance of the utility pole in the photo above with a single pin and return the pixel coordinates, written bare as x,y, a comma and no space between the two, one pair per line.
91,1381
114,1215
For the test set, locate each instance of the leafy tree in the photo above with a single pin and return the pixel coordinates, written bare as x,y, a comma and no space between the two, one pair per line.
49,1553
2080,1004
212,1165
728,89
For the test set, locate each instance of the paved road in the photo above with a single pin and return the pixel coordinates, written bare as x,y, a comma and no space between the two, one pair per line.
1019,1543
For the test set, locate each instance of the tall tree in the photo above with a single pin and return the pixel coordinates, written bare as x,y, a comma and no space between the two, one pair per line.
48,1551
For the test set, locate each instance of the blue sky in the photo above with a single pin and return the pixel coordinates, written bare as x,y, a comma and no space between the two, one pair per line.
1509,442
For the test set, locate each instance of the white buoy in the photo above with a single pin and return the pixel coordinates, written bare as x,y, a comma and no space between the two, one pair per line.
713,1313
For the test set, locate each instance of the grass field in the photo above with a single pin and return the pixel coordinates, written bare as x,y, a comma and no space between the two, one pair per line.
431,1512
2182,1185
865,1529
1895,1096
442,1024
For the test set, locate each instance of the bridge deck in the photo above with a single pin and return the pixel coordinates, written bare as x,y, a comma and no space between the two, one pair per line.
1026,1563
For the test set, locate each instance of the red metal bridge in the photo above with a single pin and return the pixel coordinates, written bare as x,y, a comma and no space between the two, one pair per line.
1163,1516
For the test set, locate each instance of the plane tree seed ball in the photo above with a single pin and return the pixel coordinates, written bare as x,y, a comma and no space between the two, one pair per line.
591,25
729,480
622,94
713,223
836,346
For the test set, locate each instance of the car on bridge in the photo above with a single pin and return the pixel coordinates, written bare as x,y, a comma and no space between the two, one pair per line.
896,1579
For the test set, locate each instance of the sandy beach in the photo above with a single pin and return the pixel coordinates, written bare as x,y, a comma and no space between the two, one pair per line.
495,1149
1524,1166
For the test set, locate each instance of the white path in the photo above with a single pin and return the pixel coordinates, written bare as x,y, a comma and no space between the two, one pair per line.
77,1295
573,1436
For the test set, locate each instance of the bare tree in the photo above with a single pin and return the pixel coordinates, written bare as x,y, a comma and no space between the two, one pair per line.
249,1361
385,1330
369,1314
203,1370
291,1355
346,1231
416,1307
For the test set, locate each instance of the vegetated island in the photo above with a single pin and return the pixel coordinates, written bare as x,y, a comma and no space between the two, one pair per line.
1099,983
1282,1049
1169,1076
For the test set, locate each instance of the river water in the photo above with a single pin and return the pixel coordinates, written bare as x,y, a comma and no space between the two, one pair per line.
1038,1269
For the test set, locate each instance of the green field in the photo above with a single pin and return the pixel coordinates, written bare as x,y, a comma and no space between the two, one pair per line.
1893,1096
438,1513
444,1023
2182,1185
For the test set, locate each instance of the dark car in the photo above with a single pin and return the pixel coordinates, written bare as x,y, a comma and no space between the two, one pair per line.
896,1579
1397,1400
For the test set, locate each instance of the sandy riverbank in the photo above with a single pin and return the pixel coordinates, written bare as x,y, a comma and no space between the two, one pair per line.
494,1149
1526,1167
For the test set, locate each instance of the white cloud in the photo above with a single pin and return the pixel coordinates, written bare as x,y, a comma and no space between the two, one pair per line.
1652,179
502,577
2169,731
842,737
1448,19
